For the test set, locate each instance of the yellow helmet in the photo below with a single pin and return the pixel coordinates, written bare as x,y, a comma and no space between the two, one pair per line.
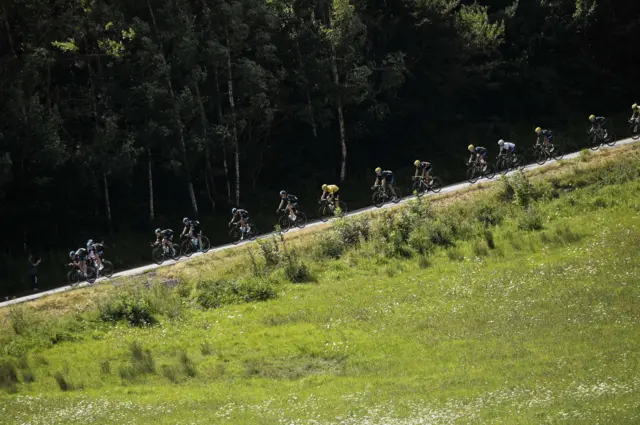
592,117
634,106
538,130
324,187
378,170
470,147
417,162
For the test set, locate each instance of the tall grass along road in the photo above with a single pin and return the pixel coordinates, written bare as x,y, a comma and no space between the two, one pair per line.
513,303
144,269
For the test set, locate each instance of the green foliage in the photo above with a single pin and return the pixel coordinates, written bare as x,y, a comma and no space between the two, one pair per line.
530,219
270,250
216,293
129,306
8,375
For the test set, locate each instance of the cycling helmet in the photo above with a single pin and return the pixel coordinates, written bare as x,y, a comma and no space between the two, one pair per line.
158,230
538,130
592,117
71,253
501,142
90,242
634,106
416,162
378,170
283,192
185,220
233,210
470,147
324,187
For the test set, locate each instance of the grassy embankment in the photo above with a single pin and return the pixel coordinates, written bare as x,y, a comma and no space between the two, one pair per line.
513,304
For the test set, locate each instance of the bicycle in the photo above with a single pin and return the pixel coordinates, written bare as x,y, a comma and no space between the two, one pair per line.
236,233
328,210
634,128
189,244
598,138
380,196
75,275
542,154
285,222
420,185
476,171
161,252
510,161
107,266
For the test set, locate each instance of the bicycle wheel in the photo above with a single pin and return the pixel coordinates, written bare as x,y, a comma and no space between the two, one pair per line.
417,188
557,153
73,277
324,212
436,185
502,165
91,275
107,269
540,156
176,252
284,222
235,234
490,171
301,220
611,138
157,255
472,175
594,142
634,130
253,232
520,163
341,209
206,245
378,198
187,247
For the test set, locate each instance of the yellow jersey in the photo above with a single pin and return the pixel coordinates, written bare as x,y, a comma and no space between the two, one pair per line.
332,188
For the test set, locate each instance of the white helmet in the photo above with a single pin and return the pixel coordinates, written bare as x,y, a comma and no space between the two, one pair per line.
501,142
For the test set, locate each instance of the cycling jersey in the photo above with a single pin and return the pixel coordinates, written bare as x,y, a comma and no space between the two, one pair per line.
166,234
332,188
509,147
81,254
387,176
547,133
292,199
600,120
480,151
194,226
240,214
426,166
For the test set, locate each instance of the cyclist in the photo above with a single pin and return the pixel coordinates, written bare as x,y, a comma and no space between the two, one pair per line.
425,167
242,216
386,179
165,237
597,125
329,192
635,112
547,138
192,227
79,259
292,204
478,154
94,254
508,148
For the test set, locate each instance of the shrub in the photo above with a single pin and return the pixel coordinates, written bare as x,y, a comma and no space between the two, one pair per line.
455,255
479,249
63,382
206,349
141,359
505,192
424,262
8,375
21,320
296,270
488,237
188,367
130,306
523,189
216,293
328,245
171,372
270,250
28,376
488,213
530,220
352,230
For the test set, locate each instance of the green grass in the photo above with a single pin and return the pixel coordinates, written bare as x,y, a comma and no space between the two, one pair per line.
458,312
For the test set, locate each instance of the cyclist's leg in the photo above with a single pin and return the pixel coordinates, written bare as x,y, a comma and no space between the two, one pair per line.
390,186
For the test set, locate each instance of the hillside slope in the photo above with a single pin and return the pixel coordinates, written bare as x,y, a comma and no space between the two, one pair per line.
516,304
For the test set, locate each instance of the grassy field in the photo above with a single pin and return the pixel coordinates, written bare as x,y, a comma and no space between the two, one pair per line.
514,304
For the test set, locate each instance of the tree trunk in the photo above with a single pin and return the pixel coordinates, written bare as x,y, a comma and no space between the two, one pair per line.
107,201
208,173
234,132
152,214
343,132
176,116
224,145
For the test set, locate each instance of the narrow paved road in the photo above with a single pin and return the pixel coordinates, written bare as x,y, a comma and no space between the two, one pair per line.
140,270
